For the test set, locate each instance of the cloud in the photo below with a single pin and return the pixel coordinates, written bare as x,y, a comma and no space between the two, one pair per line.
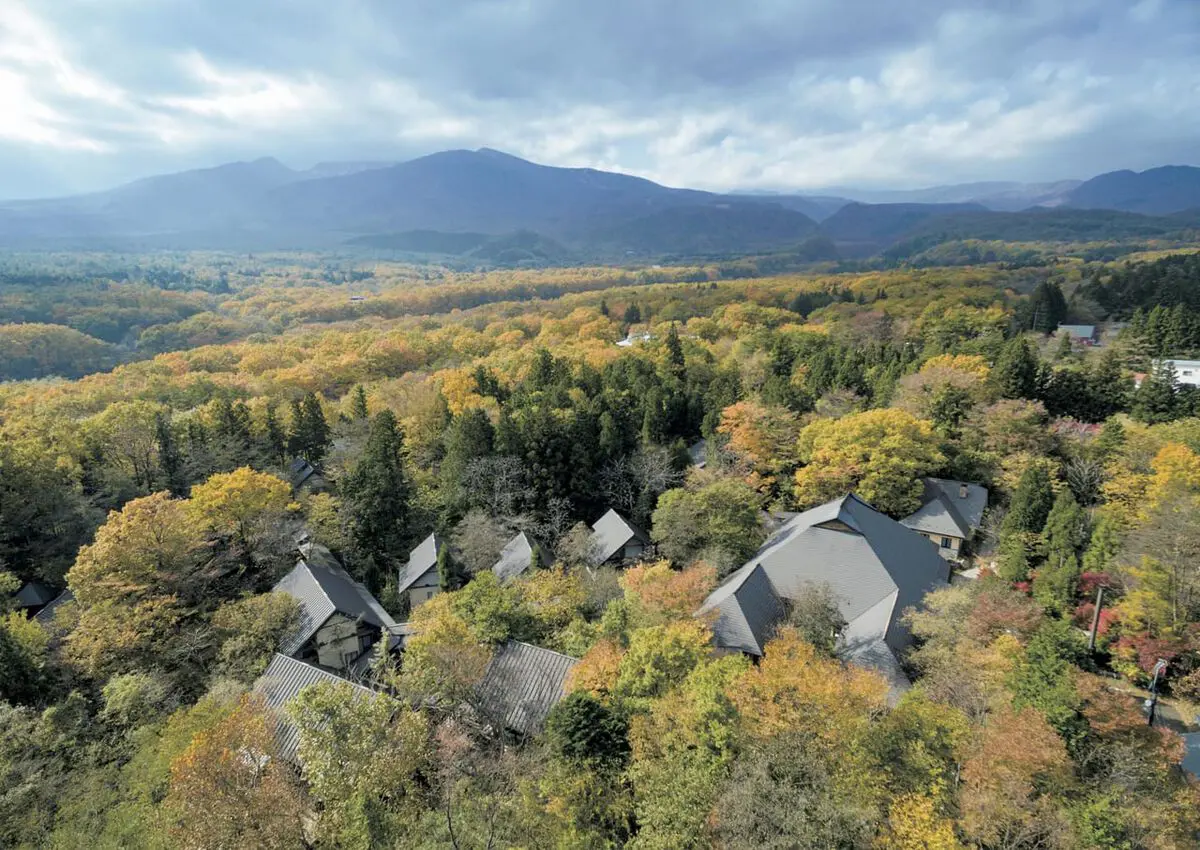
772,94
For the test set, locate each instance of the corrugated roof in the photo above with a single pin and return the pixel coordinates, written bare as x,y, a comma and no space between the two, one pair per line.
46,615
33,594
522,683
611,532
322,588
517,555
944,511
863,556
281,683
420,561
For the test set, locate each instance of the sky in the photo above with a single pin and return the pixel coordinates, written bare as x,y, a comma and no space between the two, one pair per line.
710,94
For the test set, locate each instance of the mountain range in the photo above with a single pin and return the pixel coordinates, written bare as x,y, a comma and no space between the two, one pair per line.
485,204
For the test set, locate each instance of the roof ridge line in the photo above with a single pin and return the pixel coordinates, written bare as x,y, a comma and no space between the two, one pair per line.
542,648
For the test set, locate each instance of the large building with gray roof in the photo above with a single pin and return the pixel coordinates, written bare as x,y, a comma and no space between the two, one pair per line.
950,514
873,565
339,618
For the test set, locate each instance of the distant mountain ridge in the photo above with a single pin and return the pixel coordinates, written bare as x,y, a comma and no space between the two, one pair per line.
488,203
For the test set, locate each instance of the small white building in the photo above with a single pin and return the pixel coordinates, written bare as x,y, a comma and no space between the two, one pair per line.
419,578
1187,372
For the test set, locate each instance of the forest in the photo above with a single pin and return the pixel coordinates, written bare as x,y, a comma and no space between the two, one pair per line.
154,410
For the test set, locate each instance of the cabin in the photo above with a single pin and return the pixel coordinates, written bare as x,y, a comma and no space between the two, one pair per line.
419,577
950,514
874,566
302,475
340,621
1187,372
32,597
519,555
1085,335
615,540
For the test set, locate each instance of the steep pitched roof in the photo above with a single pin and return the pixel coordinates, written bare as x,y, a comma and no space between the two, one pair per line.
522,683
281,683
46,615
420,561
33,594
944,511
866,558
746,610
323,588
611,532
517,555
299,471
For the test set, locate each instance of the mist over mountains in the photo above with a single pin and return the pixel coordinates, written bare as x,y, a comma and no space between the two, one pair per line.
491,205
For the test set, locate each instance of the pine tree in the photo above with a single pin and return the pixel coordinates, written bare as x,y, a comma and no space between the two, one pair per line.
1017,369
1111,439
1063,536
1012,562
1066,348
603,308
358,404
310,436
633,314
375,495
469,436
1155,400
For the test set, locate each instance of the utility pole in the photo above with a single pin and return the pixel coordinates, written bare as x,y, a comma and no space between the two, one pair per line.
1096,620
1152,703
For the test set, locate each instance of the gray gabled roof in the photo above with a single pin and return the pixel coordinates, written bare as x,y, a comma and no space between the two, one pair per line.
745,610
517,555
281,683
944,511
698,453
323,588
611,532
1078,331
33,594
299,471
865,558
522,683
420,561
46,615
878,656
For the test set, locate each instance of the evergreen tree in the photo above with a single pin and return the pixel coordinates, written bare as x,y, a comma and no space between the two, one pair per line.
1012,562
1111,439
375,496
1031,503
675,359
469,436
1156,400
633,314
603,308
276,440
1105,545
1066,348
310,436
358,404
1063,536
1017,369
448,574
170,460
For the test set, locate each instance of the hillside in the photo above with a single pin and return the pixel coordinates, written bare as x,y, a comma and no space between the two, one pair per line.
1158,191
863,229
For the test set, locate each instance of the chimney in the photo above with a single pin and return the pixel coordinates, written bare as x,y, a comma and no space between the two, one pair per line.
962,491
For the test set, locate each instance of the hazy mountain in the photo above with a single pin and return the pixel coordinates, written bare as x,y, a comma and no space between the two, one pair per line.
487,204
995,195
862,229
1159,191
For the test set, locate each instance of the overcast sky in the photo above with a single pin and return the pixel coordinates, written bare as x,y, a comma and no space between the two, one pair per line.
714,94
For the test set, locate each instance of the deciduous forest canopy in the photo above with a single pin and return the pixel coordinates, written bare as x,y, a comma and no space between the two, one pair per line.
174,426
